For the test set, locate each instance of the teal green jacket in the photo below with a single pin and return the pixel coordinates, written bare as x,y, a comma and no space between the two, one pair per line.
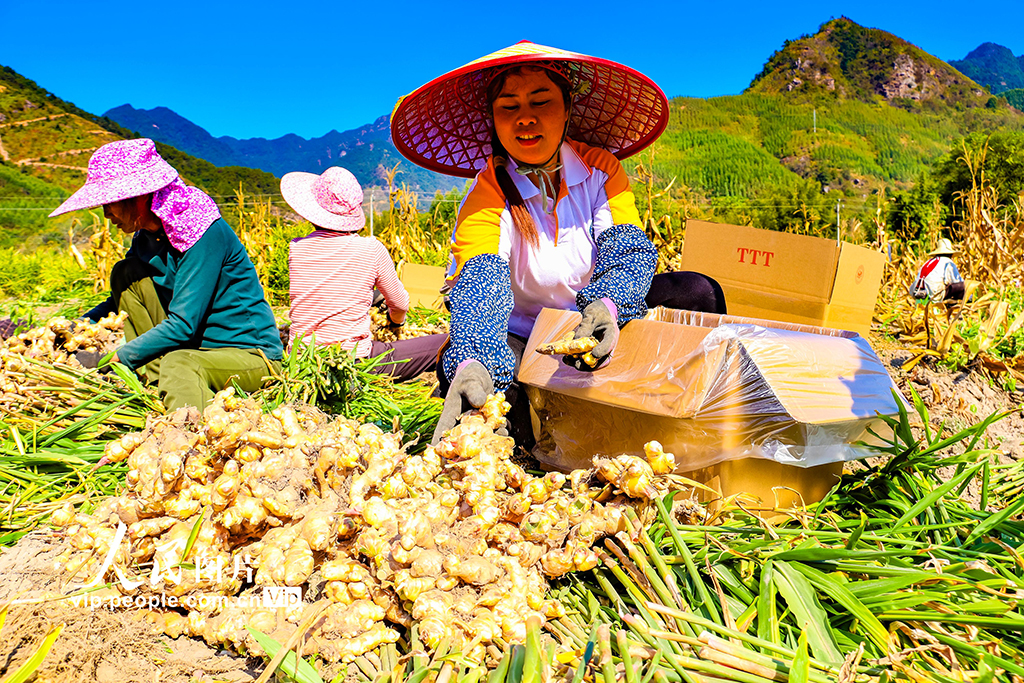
212,295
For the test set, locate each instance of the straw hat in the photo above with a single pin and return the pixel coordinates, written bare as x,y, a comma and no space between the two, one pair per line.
945,248
445,125
332,200
120,170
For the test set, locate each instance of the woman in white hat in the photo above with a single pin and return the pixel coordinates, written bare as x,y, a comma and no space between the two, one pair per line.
333,272
550,220
939,279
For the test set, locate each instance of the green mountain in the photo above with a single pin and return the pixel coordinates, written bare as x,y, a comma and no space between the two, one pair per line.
844,60
843,112
1015,97
993,66
45,145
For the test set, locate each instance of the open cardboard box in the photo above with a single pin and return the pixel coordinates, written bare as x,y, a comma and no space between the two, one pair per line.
782,276
745,405
423,284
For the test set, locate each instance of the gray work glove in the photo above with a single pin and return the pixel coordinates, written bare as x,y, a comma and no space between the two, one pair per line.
469,389
598,322
94,359
88,359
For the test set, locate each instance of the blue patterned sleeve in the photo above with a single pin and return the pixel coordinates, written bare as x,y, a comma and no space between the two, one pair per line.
626,260
481,303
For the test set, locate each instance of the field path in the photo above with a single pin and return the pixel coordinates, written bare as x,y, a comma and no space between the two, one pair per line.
26,162
28,121
35,161
3,152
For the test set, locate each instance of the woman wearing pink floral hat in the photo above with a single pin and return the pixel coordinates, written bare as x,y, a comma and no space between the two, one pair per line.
197,317
333,272
550,220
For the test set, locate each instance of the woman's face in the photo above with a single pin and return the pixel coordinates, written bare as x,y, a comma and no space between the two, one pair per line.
529,116
128,214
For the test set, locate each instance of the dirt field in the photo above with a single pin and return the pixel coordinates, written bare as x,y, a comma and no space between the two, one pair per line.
96,644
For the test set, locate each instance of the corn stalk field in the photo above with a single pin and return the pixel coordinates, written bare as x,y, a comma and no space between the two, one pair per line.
984,331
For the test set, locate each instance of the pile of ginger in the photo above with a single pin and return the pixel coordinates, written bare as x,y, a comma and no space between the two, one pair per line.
32,362
384,331
458,539
60,339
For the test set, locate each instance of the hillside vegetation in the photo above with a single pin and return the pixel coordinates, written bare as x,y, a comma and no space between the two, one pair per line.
844,60
837,117
1015,97
45,145
994,66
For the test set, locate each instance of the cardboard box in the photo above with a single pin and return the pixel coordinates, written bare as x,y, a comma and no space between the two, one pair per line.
774,486
786,277
423,284
745,407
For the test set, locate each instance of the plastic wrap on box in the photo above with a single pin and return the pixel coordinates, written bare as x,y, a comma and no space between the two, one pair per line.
711,389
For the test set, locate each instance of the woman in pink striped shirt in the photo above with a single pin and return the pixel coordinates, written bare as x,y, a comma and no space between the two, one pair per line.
333,272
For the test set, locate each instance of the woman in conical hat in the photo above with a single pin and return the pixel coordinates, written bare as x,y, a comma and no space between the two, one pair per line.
550,220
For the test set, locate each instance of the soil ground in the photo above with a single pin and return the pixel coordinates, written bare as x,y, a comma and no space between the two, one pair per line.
956,400
96,644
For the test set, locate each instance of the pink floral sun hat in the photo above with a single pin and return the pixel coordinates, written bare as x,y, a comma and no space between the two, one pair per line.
186,212
332,200
119,170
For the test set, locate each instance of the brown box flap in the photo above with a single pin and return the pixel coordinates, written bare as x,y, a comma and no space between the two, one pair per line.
858,276
423,284
763,259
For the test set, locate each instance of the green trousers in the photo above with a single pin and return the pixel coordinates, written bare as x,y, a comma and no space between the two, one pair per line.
187,377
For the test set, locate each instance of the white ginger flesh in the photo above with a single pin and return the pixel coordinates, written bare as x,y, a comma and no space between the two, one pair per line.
568,346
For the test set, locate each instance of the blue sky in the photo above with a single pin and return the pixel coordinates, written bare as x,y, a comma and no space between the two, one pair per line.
265,69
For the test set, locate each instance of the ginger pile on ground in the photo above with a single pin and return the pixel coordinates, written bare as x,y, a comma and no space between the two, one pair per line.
33,363
60,339
459,538
383,331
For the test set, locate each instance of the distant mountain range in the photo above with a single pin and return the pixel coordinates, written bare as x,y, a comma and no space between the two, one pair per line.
993,66
842,62
366,151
